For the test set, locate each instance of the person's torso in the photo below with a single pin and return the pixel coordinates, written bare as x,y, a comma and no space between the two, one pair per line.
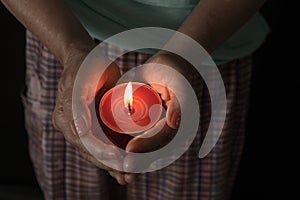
106,18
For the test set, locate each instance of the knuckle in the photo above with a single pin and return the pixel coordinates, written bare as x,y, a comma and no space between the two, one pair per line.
55,125
55,121
67,103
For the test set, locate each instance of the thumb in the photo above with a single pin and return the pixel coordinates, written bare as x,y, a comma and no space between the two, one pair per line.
147,142
151,140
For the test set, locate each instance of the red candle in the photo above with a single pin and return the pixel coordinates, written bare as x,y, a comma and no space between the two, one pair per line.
130,108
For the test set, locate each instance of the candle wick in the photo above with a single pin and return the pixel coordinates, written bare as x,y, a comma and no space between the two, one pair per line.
129,109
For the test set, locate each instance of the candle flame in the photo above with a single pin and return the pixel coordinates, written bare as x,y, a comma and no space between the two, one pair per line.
128,97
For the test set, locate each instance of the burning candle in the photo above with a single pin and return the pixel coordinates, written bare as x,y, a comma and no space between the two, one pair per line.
128,98
130,108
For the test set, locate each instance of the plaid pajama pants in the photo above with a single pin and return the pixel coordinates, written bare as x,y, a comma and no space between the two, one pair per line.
63,175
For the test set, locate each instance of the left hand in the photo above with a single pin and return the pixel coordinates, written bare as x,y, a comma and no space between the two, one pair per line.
164,131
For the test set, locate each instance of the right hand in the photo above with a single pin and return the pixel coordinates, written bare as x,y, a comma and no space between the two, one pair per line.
78,129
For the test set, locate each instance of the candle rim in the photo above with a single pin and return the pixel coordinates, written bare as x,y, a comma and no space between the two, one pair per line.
123,84
132,82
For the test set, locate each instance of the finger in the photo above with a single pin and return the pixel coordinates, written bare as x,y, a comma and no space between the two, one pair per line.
58,111
162,90
153,139
137,164
60,123
103,153
173,112
75,109
83,95
59,120
172,104
74,102
56,116
59,117
103,156
93,150
154,130
118,176
91,159
130,178
81,117
106,154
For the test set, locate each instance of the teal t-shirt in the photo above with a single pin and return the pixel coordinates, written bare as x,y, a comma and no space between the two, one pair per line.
104,18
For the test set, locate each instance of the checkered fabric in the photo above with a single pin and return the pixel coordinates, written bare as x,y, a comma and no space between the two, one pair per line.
63,175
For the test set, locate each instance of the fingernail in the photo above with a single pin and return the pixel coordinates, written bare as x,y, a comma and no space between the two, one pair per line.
175,119
81,126
129,178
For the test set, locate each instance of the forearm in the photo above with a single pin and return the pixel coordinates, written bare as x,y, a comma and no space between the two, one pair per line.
53,23
213,21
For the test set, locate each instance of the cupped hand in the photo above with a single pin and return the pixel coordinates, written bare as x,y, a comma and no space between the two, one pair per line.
164,131
75,121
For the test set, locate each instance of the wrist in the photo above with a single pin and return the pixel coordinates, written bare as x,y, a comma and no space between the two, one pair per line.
174,61
72,51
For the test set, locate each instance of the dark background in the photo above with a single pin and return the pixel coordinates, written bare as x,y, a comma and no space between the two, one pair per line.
268,120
